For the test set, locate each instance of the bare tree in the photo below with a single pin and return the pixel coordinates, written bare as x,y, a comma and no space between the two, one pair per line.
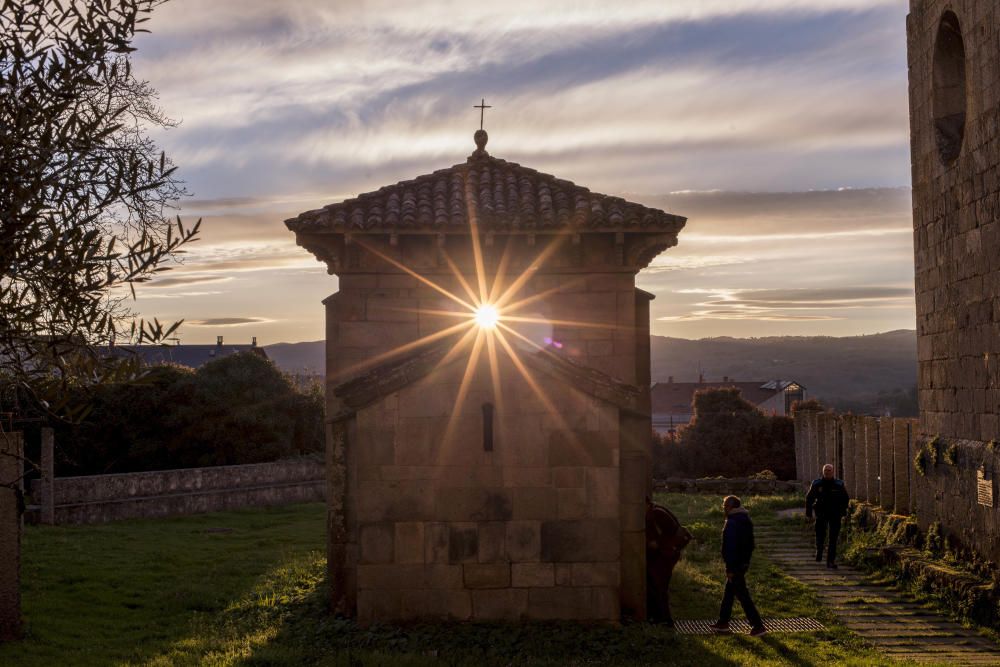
84,198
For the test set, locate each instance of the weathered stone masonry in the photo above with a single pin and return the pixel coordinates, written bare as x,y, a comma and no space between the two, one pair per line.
954,60
425,518
954,63
944,489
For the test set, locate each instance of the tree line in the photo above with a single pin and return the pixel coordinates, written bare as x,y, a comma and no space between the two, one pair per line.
233,410
727,437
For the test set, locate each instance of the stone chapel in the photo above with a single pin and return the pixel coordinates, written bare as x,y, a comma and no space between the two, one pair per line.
487,395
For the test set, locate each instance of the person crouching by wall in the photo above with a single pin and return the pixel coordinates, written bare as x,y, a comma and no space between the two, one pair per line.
737,548
665,539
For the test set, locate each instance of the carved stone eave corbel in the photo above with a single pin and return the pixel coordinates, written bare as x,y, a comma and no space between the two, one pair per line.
643,249
326,248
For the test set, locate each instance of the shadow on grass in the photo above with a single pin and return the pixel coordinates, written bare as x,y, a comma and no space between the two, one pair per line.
253,592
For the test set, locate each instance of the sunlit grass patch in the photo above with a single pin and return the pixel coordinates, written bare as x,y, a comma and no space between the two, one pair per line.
184,592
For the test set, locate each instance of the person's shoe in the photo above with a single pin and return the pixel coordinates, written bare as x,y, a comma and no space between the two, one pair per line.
831,566
758,631
719,626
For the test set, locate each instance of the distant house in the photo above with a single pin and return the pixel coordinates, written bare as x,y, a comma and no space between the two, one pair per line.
192,356
672,400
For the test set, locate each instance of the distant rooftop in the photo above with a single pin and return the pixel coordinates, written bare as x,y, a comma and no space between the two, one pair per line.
677,396
192,356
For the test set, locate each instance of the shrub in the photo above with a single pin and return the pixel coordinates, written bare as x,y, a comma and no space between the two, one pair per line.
233,410
728,436
808,404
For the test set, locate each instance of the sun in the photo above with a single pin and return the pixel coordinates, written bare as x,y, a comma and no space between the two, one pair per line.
487,316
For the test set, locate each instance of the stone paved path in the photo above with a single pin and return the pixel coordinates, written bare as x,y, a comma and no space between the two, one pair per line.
897,625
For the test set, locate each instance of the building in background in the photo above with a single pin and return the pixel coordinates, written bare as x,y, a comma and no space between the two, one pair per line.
672,401
192,356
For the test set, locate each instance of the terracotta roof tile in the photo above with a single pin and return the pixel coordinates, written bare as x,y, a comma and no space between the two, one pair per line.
504,195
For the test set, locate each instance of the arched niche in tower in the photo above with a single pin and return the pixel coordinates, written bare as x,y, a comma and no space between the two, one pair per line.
949,93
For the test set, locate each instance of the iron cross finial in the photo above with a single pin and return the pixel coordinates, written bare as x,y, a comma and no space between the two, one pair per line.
482,106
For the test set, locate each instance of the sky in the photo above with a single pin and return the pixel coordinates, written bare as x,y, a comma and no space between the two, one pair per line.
779,128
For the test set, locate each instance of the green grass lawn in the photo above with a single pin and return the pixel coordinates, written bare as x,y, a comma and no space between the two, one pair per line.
248,588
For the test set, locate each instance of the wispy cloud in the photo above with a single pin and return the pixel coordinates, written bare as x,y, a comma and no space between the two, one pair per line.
783,305
681,262
691,92
228,321
289,106
182,279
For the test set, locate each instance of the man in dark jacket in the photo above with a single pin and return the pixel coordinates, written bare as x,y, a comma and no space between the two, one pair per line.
828,498
737,547
665,538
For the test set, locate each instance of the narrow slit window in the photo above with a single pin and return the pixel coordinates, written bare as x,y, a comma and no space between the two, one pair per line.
488,427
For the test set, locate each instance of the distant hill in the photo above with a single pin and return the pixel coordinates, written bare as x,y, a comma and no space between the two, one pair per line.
840,371
844,370
301,358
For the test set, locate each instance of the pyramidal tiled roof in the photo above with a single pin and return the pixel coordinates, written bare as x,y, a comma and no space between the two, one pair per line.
504,196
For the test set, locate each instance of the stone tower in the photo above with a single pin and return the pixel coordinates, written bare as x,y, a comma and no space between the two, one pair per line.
487,395
954,63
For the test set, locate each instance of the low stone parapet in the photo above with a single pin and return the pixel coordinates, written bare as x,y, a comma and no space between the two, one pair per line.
728,486
161,493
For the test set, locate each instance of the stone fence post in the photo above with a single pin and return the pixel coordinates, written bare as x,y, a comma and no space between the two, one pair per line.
800,451
829,441
812,430
886,440
821,444
48,482
11,453
849,455
901,465
867,435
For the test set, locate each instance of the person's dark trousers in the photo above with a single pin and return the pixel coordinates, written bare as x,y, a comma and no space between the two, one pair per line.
659,570
822,524
736,587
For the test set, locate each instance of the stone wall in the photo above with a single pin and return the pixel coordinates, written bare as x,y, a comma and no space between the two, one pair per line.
954,61
530,529
100,498
567,469
952,485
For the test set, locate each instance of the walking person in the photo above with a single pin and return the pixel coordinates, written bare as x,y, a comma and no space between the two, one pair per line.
737,547
828,499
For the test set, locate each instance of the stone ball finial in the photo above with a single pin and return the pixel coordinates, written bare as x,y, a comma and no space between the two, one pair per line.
480,137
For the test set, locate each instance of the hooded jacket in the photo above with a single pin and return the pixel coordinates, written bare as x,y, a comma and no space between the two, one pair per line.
737,540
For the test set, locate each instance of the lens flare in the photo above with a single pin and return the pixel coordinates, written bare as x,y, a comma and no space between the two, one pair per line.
487,316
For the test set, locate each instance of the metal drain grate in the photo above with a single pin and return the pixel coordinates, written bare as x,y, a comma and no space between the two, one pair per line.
742,627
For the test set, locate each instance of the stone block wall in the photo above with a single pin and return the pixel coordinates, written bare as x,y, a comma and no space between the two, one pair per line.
953,487
566,467
440,528
372,315
100,498
948,493
954,63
